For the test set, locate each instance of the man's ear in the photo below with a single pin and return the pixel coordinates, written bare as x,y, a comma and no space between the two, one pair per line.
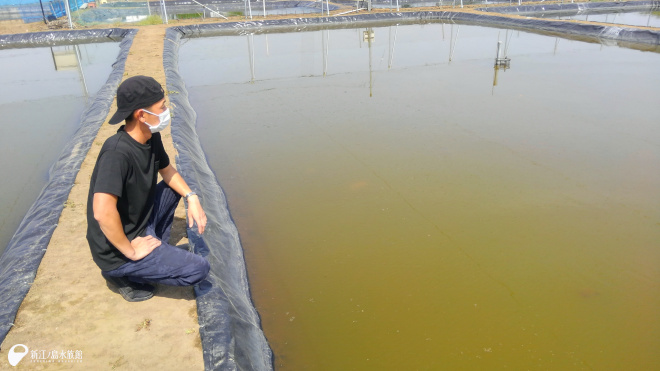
138,114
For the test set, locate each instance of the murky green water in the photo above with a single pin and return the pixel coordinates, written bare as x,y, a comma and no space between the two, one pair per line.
43,95
418,217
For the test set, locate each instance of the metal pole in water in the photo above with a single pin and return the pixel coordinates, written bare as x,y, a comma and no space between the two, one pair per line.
451,40
327,6
323,49
451,56
148,7
80,70
497,54
267,51
249,8
396,29
492,90
397,5
461,3
264,8
370,30
389,60
251,55
327,50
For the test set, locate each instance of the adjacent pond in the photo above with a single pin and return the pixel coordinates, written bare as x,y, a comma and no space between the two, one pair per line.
648,19
401,211
44,92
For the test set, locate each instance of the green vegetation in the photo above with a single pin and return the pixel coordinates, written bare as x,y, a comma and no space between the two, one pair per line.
231,14
406,6
151,20
189,15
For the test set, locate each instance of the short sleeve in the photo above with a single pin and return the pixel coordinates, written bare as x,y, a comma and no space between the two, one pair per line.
111,173
160,152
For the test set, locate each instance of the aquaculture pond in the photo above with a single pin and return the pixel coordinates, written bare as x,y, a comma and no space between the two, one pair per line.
44,92
647,19
403,205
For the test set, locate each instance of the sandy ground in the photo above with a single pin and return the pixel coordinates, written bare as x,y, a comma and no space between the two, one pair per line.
71,308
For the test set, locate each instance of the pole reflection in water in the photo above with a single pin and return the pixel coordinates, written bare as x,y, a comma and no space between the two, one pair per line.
502,62
369,37
325,41
455,39
68,57
250,40
392,46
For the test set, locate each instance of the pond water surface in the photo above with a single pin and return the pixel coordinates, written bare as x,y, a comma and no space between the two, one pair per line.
400,212
647,19
44,92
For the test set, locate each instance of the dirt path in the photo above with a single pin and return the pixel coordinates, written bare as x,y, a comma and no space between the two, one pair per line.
70,307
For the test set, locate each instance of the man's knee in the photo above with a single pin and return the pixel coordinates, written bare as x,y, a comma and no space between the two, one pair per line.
199,270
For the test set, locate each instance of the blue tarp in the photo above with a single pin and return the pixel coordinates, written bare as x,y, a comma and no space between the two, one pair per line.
31,12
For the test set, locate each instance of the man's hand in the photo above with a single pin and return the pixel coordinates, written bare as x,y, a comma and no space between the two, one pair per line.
106,214
196,214
143,246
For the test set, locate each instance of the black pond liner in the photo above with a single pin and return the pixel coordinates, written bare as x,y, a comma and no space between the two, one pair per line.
229,325
576,8
21,258
232,338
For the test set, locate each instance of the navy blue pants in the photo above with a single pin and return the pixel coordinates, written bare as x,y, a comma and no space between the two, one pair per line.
166,264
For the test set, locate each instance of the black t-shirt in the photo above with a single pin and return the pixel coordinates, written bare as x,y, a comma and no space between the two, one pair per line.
129,170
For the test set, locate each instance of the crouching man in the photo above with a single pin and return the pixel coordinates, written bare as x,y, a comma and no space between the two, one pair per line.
129,216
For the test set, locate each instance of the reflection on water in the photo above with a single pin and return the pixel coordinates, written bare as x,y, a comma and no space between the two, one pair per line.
436,225
44,91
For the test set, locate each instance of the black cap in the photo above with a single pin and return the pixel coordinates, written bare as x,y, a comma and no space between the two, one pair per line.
134,93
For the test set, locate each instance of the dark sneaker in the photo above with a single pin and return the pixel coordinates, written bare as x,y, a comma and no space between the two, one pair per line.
131,291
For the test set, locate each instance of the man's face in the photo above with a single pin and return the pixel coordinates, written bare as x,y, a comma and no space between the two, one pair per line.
156,108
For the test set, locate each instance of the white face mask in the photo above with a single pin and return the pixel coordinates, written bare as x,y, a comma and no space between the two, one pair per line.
164,120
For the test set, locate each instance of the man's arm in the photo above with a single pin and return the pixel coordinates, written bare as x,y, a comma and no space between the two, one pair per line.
105,212
195,212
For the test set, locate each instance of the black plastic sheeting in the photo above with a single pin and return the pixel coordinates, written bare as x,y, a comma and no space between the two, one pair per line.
37,39
21,258
230,327
229,324
297,4
600,7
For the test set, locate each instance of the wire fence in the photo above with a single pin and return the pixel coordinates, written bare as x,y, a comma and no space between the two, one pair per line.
85,12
